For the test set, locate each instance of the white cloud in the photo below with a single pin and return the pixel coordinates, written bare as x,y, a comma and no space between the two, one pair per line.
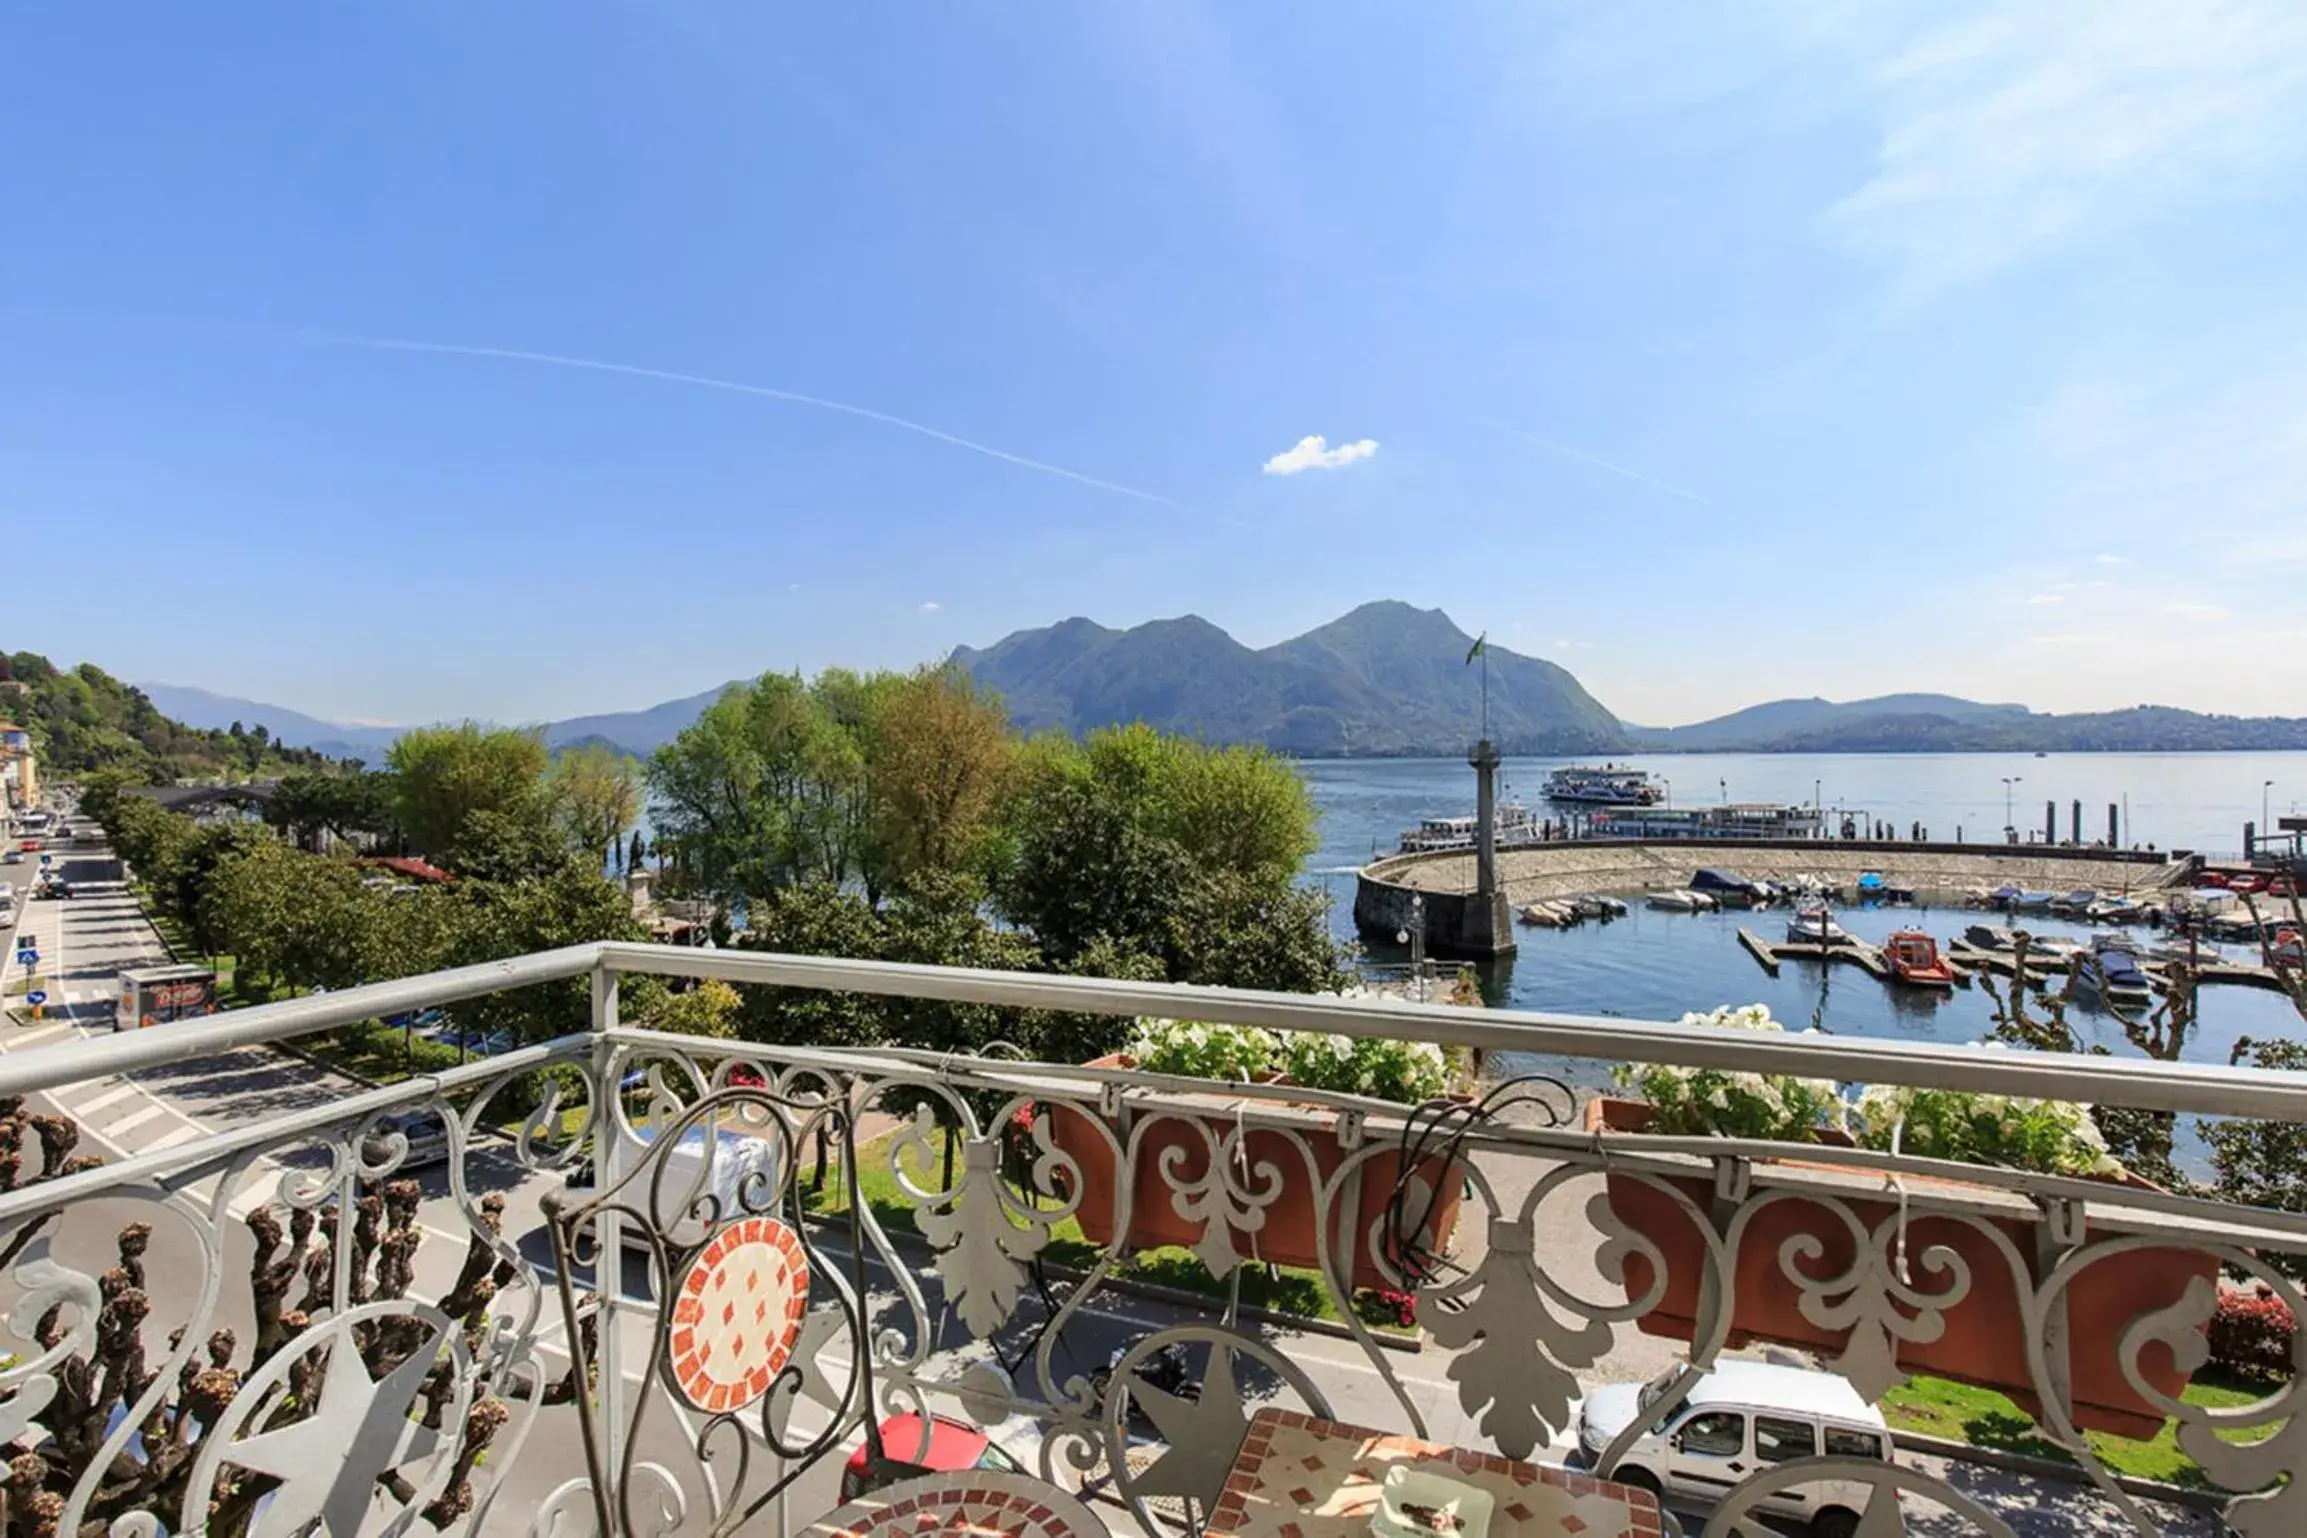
2064,638
1313,453
2184,609
931,607
2050,597
2108,560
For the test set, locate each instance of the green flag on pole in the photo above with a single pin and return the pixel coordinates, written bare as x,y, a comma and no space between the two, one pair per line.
1481,645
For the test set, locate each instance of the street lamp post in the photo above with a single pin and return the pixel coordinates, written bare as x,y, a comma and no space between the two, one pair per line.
2264,787
2008,781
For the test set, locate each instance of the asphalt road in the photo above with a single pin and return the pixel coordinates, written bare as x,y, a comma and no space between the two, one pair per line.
86,940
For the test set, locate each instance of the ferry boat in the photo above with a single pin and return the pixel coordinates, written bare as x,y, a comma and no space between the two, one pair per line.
1610,785
1738,820
1517,826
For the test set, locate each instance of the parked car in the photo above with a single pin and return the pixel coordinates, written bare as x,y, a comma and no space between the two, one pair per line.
1739,1419
12,857
427,1134
953,1447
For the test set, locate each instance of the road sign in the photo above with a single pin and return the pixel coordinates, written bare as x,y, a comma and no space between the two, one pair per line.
48,859
36,997
29,958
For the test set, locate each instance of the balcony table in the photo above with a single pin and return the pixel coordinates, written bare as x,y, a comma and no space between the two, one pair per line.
1298,1476
973,1502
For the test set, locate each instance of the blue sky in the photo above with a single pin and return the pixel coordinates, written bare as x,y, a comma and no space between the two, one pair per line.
1718,352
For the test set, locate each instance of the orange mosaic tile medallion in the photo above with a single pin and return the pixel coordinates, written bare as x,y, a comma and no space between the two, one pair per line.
736,1313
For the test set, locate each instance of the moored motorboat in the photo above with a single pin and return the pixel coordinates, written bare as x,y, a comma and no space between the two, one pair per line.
1675,900
1913,957
1813,925
2074,903
2111,971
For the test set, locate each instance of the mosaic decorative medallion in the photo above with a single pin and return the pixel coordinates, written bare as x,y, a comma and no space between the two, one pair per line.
735,1315
977,1503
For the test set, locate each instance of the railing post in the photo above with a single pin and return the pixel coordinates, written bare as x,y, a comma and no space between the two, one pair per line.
609,1235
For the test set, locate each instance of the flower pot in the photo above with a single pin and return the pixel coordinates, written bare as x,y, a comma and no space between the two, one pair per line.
1288,1236
1983,1340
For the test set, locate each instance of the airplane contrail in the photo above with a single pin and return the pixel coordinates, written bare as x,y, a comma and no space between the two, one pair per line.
1595,459
793,397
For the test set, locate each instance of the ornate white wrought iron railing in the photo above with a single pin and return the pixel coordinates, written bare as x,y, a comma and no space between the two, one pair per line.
840,1236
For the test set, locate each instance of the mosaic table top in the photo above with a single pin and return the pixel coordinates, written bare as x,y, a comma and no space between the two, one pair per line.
1299,1476
736,1313
980,1503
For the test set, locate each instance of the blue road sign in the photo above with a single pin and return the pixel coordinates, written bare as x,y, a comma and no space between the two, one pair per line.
29,958
36,997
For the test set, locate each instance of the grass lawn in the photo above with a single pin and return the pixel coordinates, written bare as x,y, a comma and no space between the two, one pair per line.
1984,1418
1288,1291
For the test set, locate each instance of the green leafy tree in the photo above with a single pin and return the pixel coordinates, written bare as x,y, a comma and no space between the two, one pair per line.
516,845
349,807
1166,849
442,775
764,790
938,758
709,1009
596,793
486,921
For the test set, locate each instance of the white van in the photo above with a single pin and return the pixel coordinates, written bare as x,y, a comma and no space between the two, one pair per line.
738,1168
1740,1419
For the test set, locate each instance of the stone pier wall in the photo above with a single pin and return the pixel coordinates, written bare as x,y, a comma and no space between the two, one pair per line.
1383,891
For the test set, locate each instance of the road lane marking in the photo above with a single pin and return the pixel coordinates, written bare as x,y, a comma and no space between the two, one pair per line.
109,1098
176,1139
136,1119
27,1038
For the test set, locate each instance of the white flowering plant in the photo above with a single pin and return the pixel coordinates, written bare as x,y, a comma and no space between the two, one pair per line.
1201,1050
1407,1072
1692,1102
2050,1137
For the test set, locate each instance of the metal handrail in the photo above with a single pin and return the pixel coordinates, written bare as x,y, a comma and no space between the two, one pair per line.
2198,1088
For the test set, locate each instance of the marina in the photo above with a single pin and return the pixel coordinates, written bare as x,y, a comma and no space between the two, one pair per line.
1653,963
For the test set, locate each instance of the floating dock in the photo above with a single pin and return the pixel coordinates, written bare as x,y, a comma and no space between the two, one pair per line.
1771,955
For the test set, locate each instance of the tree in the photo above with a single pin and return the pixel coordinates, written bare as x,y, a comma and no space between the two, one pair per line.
486,921
596,792
100,795
1162,848
441,775
349,807
709,1009
506,846
938,759
761,792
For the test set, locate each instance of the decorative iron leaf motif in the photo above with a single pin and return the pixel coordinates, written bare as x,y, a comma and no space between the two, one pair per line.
1521,1375
1230,1193
1872,1301
983,1235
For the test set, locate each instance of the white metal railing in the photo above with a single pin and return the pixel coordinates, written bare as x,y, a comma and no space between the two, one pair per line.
914,1322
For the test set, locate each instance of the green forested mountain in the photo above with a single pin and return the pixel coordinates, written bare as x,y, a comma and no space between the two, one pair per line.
1387,679
1929,723
85,719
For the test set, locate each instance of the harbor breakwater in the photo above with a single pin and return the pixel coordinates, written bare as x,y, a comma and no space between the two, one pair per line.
1386,890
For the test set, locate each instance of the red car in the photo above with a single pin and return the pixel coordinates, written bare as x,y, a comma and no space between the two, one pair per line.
953,1446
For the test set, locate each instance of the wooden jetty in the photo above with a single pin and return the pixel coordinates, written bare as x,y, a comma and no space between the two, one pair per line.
1856,951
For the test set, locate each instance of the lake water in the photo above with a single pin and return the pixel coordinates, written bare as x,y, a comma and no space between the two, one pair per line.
1657,966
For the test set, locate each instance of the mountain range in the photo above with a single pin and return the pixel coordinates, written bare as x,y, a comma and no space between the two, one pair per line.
1386,680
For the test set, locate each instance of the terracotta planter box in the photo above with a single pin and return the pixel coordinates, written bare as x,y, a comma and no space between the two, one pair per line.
1288,1237
1983,1342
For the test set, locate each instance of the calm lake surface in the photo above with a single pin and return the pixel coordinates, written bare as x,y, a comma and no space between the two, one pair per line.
1657,966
